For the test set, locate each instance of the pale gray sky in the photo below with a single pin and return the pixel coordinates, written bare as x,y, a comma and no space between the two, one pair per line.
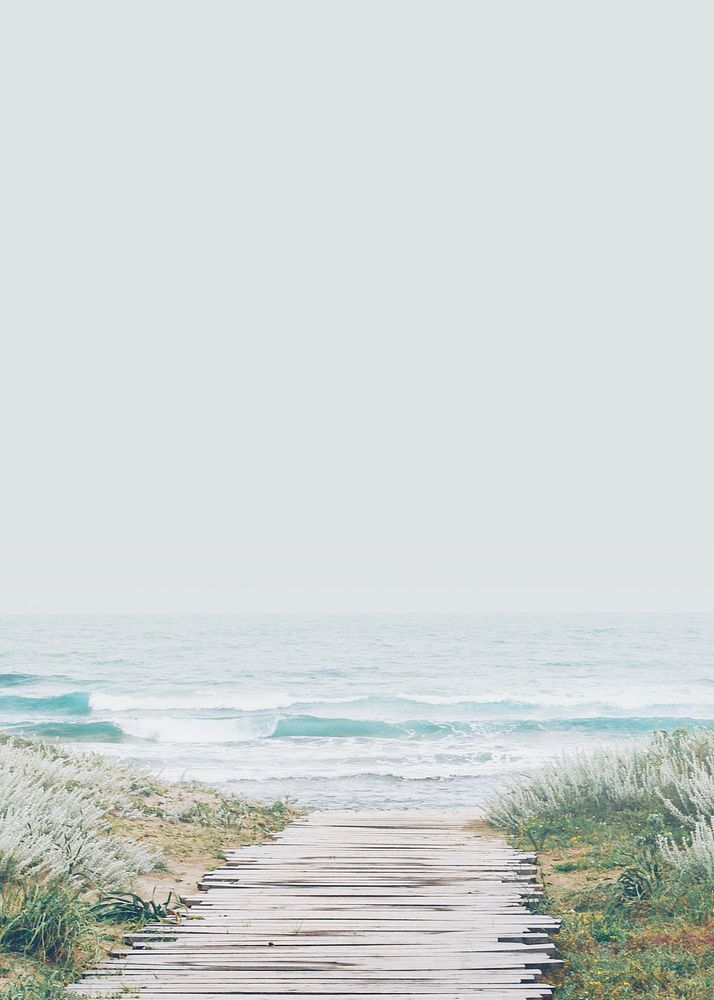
356,305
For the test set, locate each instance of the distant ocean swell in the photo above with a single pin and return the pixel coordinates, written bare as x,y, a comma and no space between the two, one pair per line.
11,680
565,701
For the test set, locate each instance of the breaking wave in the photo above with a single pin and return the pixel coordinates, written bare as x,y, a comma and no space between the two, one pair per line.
247,729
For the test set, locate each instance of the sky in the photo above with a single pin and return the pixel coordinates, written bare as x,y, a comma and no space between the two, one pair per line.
358,306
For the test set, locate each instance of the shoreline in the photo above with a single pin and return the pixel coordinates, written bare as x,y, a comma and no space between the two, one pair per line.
354,710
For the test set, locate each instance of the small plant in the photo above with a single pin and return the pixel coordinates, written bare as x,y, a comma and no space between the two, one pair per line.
130,908
643,867
536,832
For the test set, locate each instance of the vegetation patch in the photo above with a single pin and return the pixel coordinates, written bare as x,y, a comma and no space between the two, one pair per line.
626,847
80,839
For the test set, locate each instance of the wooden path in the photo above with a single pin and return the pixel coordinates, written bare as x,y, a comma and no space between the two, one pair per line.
351,904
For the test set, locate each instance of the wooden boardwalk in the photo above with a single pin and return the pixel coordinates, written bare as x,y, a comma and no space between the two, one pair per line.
346,904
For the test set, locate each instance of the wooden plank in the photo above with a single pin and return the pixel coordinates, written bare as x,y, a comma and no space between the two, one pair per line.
519,990
202,936
377,960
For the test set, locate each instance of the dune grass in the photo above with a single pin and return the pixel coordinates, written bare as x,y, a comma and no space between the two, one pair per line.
626,846
76,833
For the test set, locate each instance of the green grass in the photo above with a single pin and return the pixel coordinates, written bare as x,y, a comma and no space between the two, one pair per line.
48,922
48,987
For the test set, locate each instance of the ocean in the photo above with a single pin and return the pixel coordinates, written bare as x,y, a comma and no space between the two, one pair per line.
343,710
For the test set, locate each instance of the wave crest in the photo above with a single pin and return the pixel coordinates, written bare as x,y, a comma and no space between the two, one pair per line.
72,703
99,732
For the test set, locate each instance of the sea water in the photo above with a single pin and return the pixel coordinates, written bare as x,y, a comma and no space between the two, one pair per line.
353,710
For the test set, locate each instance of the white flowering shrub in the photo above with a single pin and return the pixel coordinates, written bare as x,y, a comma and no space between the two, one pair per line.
672,773
693,860
687,778
595,779
675,770
55,817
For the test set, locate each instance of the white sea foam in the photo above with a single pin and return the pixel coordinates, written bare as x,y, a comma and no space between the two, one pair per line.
168,729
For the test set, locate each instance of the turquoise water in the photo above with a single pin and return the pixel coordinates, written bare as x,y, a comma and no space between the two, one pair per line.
343,710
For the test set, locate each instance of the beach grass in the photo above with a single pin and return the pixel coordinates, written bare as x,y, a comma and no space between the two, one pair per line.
626,850
90,848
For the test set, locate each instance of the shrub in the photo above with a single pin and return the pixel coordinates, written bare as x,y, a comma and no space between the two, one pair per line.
53,818
693,860
673,769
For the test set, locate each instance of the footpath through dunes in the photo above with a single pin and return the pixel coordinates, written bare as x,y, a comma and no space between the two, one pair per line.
351,904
